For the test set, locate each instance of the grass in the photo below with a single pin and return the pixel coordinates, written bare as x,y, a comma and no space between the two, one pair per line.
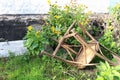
40,68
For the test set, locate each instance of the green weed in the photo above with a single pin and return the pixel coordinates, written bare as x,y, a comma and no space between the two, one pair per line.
36,68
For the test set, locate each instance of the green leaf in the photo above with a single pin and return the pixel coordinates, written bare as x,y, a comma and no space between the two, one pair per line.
35,45
116,73
107,65
117,67
28,42
100,78
112,44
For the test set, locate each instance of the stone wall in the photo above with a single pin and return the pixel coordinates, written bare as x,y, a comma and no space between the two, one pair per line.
14,27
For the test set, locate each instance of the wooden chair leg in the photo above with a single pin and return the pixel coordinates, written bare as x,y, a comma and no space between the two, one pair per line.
60,42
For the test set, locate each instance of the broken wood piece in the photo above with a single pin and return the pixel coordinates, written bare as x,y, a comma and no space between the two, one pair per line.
115,56
60,42
85,31
87,51
86,55
71,26
102,57
70,54
69,48
67,61
69,35
77,46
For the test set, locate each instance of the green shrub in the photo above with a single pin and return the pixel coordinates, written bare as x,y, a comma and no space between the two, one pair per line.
115,17
35,41
108,41
107,72
57,23
59,19
115,12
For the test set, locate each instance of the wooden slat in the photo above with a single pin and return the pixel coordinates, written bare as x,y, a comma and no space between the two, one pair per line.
67,61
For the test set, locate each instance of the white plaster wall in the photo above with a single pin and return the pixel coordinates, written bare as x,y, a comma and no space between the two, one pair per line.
16,47
42,7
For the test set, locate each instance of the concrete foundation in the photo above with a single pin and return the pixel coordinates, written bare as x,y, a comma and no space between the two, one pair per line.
15,47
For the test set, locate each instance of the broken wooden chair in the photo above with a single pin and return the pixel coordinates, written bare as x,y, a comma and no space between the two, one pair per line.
87,50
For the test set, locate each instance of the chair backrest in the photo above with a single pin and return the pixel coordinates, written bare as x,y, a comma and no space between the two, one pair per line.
86,55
